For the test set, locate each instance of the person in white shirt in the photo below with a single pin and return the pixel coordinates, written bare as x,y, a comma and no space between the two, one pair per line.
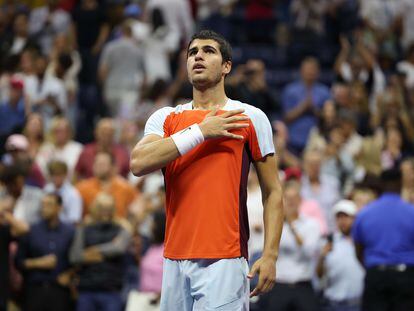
338,265
71,212
299,248
60,147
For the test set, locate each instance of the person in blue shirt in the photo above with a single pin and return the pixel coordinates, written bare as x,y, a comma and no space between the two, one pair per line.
12,112
301,101
384,238
43,258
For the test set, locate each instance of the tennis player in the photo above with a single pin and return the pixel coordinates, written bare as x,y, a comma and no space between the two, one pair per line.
205,148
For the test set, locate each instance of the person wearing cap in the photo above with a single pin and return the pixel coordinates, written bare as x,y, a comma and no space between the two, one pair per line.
12,112
338,266
383,232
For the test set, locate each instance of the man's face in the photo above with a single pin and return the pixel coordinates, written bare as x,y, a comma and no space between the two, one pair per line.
312,165
50,207
105,132
205,65
102,167
310,71
58,179
344,222
292,200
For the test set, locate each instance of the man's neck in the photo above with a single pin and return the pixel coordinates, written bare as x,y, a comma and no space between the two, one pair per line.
209,98
53,223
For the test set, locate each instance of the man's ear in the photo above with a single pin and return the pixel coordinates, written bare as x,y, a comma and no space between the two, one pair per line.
227,67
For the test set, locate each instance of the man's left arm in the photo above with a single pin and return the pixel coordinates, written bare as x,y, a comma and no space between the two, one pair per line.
267,171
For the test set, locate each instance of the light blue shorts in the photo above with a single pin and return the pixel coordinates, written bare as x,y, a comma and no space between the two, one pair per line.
205,284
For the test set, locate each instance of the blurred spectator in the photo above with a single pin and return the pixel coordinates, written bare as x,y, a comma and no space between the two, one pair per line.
383,234
323,188
10,228
71,211
280,139
43,257
361,195
357,63
47,94
407,185
152,261
296,261
158,47
121,70
308,18
406,11
27,198
99,249
16,154
19,39
338,266
253,89
105,141
13,112
60,146
255,211
177,14
301,101
46,22
34,132
392,154
106,180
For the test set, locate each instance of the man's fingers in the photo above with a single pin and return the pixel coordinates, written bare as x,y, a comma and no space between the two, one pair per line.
236,119
231,113
253,271
254,292
232,126
234,136
268,285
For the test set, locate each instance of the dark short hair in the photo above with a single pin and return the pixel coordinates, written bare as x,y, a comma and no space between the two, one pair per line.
10,173
225,48
57,196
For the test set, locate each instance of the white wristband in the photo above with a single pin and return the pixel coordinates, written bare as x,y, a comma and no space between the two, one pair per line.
188,138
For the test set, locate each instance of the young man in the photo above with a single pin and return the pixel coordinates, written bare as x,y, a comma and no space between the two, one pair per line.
205,148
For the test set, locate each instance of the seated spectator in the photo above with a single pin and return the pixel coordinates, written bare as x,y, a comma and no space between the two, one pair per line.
34,132
43,258
46,22
99,250
10,228
27,198
13,112
301,101
71,212
16,154
298,252
152,261
61,147
106,180
104,136
323,188
338,265
407,185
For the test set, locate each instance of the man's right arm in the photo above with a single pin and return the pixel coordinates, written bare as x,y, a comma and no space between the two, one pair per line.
154,152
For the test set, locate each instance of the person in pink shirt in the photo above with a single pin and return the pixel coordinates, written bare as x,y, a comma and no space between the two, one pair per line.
152,261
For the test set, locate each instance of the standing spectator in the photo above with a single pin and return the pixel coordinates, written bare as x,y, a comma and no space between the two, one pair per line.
323,188
34,132
47,94
301,100
71,211
60,147
104,141
10,228
383,232
121,70
27,198
338,266
43,257
99,248
105,180
46,22
296,261
407,186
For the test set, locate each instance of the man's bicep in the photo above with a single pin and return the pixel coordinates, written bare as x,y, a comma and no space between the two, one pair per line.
267,172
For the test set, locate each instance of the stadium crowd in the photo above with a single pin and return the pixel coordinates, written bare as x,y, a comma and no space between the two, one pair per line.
79,79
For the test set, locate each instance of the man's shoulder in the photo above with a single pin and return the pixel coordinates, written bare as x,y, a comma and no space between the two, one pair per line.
249,109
